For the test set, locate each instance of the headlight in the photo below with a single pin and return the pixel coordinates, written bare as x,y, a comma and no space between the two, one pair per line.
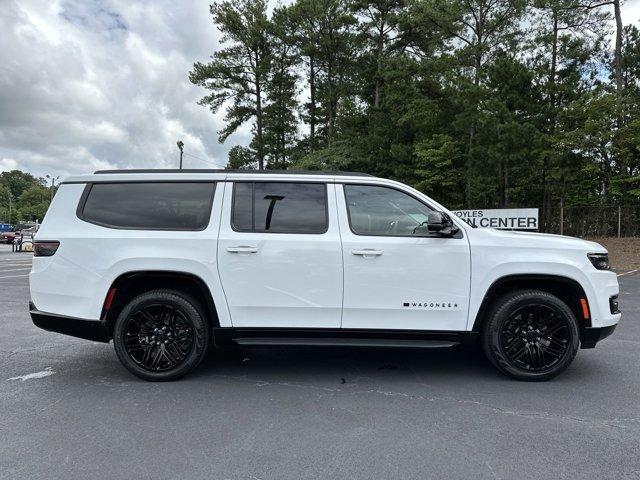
600,260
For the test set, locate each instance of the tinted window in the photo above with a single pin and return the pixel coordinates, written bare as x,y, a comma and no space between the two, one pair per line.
280,207
150,206
383,211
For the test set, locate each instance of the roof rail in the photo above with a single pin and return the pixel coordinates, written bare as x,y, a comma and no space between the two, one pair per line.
209,170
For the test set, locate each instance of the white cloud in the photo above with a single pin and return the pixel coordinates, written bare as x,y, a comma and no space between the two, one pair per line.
104,84
630,12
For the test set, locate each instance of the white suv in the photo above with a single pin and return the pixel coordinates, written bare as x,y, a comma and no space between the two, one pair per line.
167,263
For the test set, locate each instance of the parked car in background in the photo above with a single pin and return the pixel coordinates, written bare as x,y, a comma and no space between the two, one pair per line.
8,236
167,262
20,231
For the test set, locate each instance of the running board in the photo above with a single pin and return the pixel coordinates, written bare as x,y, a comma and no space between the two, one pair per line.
344,342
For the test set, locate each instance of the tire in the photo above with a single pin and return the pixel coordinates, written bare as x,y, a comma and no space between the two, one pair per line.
530,335
161,335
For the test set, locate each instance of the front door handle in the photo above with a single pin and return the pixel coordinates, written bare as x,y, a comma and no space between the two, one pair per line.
242,249
367,252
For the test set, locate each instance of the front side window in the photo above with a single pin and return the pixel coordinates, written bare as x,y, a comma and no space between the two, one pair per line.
383,211
149,205
280,207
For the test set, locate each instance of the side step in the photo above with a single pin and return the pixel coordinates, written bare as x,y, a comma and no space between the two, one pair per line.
344,342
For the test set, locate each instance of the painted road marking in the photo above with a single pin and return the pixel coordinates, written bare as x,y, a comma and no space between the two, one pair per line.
16,269
629,272
44,373
15,276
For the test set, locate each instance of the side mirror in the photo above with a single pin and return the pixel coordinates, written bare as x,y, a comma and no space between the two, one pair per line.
441,224
436,222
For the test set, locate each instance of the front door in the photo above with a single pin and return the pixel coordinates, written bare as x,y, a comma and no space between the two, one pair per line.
279,254
394,279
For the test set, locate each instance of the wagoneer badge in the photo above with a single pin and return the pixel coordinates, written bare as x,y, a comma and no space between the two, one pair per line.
431,305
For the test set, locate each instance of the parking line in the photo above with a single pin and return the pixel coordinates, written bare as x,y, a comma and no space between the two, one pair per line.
16,269
629,272
15,276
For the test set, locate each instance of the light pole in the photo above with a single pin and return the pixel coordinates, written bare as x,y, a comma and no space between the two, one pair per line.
53,182
181,147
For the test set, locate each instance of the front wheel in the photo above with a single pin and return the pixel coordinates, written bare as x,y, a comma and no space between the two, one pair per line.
530,335
161,335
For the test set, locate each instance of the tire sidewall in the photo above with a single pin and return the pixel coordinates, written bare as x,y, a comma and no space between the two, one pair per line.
193,313
499,314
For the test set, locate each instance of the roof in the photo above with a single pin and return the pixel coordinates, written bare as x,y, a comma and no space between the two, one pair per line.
253,172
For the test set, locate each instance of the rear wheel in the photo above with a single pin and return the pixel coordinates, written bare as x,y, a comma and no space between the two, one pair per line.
530,335
161,335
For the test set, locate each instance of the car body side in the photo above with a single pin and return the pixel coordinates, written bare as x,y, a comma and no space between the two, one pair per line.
76,281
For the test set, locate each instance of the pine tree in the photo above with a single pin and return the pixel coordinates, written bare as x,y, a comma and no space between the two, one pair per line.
237,74
280,112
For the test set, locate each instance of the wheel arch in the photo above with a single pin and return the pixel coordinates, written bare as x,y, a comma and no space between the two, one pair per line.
567,289
131,284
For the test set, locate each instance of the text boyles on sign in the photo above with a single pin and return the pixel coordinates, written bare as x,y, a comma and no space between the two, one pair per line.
503,218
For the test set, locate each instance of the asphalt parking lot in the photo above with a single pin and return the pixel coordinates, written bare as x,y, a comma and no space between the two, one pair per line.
69,410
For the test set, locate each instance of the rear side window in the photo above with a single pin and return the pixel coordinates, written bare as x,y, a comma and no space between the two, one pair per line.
149,205
279,207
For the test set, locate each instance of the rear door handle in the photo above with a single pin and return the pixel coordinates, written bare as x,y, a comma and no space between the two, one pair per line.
242,249
367,252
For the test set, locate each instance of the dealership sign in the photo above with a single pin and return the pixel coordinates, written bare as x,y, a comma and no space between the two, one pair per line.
505,218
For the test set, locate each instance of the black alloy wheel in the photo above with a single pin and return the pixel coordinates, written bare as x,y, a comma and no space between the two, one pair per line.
158,337
530,335
535,337
161,335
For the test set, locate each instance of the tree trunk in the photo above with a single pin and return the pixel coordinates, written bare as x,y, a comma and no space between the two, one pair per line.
546,194
472,130
259,136
378,81
618,61
330,109
312,104
552,75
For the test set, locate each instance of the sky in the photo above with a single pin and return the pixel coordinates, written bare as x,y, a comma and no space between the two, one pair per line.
98,84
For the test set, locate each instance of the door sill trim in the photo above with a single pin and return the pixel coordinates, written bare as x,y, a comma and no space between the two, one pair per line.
337,337
344,342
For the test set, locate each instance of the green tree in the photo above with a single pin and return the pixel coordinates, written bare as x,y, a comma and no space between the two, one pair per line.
479,103
13,186
33,203
238,74
7,211
280,112
241,158
568,35
482,29
381,37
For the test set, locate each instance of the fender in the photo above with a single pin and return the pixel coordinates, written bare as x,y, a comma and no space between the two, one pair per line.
539,281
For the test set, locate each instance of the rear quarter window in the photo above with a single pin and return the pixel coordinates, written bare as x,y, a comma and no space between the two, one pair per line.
148,205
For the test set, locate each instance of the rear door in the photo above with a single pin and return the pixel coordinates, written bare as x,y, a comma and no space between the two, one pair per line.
394,279
279,254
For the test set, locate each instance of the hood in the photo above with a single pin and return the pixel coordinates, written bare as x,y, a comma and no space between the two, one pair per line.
532,239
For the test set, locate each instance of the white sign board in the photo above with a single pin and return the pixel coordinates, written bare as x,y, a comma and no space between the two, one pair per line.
503,218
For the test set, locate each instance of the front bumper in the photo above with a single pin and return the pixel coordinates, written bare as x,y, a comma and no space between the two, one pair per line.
95,330
592,335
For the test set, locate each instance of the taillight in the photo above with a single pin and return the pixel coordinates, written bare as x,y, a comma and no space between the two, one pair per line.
45,248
